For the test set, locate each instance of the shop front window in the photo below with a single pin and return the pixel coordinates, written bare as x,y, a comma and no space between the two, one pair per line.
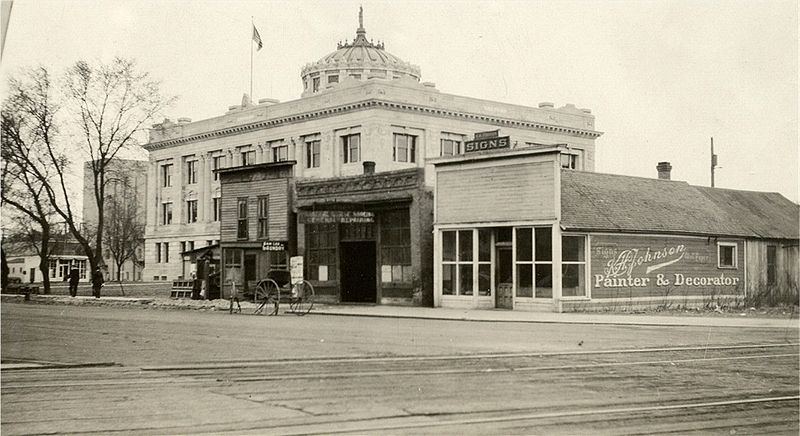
573,266
457,262
321,241
534,261
395,246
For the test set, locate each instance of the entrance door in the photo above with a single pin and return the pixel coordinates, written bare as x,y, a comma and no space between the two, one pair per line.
250,274
504,276
358,272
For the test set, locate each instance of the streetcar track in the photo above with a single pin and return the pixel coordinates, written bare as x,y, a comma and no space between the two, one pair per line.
358,359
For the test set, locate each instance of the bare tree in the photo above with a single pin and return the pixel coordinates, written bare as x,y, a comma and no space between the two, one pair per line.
110,104
124,231
29,157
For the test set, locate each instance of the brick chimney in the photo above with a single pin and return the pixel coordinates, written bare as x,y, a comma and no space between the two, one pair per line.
369,167
664,169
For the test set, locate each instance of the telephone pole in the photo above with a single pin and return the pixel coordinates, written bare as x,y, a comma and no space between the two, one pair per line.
713,161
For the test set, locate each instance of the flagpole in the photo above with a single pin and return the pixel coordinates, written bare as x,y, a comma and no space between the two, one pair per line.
252,26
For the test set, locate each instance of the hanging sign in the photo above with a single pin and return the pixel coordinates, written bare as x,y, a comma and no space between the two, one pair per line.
486,135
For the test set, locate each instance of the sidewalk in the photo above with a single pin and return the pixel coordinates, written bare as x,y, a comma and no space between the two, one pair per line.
442,314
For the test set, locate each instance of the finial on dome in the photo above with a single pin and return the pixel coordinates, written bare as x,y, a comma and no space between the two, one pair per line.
360,18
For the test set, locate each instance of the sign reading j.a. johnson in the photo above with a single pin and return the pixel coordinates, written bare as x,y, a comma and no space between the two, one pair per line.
648,262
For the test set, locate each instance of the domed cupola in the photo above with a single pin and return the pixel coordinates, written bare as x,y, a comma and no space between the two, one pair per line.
360,60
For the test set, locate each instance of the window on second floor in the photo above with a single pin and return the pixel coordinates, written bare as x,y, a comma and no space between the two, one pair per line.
569,161
312,154
191,211
216,163
450,144
351,148
405,148
280,153
166,175
241,224
216,207
248,157
263,216
191,172
166,213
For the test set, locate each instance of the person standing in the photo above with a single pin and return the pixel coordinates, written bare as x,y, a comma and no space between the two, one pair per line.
97,282
74,278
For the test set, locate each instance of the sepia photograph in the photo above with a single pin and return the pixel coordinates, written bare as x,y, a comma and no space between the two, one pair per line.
455,217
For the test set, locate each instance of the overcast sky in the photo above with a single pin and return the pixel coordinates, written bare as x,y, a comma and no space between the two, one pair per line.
661,77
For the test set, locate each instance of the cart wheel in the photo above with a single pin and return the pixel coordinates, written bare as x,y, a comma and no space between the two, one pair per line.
267,297
304,301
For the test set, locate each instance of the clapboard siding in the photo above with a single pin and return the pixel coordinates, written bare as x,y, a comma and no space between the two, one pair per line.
787,272
277,189
696,259
496,193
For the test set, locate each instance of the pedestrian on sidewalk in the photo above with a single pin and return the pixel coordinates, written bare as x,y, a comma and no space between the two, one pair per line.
97,282
74,278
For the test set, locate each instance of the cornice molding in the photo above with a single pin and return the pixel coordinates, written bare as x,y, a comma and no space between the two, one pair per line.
371,104
370,183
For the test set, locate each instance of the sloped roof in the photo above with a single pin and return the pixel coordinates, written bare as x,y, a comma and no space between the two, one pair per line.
608,202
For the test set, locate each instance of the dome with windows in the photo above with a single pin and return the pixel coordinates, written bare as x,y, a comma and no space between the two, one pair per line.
360,60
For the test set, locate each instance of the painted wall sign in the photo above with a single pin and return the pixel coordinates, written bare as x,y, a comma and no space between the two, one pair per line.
644,264
486,144
274,246
335,216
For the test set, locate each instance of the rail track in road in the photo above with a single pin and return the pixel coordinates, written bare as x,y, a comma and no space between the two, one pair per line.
750,388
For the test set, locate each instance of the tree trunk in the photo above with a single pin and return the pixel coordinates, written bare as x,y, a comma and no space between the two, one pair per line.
44,259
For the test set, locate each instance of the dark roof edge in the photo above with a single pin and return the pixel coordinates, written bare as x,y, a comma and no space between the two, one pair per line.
568,228
266,166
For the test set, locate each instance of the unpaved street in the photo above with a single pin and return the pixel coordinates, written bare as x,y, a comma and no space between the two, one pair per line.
189,372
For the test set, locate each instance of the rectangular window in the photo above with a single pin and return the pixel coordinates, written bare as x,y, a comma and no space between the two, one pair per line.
191,172
569,161
534,262
351,148
241,227
395,246
457,262
166,252
321,242
573,266
315,84
404,148
158,252
191,211
216,207
726,254
248,157
183,246
216,163
772,267
333,79
263,217
190,245
166,213
312,154
166,175
233,258
280,153
450,147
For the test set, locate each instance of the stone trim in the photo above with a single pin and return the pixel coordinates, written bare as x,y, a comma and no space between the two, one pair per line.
369,104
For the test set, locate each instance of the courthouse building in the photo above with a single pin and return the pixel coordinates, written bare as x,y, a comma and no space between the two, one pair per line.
358,146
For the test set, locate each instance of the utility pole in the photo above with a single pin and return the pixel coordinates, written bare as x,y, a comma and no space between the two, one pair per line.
713,161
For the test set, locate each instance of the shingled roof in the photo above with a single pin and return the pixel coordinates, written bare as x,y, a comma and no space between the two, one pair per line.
614,203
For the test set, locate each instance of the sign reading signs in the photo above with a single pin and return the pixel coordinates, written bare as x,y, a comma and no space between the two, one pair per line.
336,216
486,144
274,246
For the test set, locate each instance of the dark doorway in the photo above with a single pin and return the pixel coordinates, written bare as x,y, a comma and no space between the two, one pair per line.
250,275
358,272
504,279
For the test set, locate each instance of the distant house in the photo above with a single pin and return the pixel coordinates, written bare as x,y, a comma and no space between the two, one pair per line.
23,262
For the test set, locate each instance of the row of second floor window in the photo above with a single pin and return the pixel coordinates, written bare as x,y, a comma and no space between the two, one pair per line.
242,218
404,149
192,211
161,249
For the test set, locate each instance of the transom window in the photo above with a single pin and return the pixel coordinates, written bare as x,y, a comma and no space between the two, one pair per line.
351,148
404,147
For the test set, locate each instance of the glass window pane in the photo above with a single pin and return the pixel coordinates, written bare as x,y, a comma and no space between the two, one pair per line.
465,280
449,246
485,279
407,273
464,245
485,245
544,281
572,249
448,279
544,243
572,279
524,280
524,245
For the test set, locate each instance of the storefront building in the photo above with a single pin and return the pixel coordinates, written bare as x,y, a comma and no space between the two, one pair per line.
518,229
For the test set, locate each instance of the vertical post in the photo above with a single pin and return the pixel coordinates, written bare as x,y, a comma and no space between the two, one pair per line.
252,27
713,161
